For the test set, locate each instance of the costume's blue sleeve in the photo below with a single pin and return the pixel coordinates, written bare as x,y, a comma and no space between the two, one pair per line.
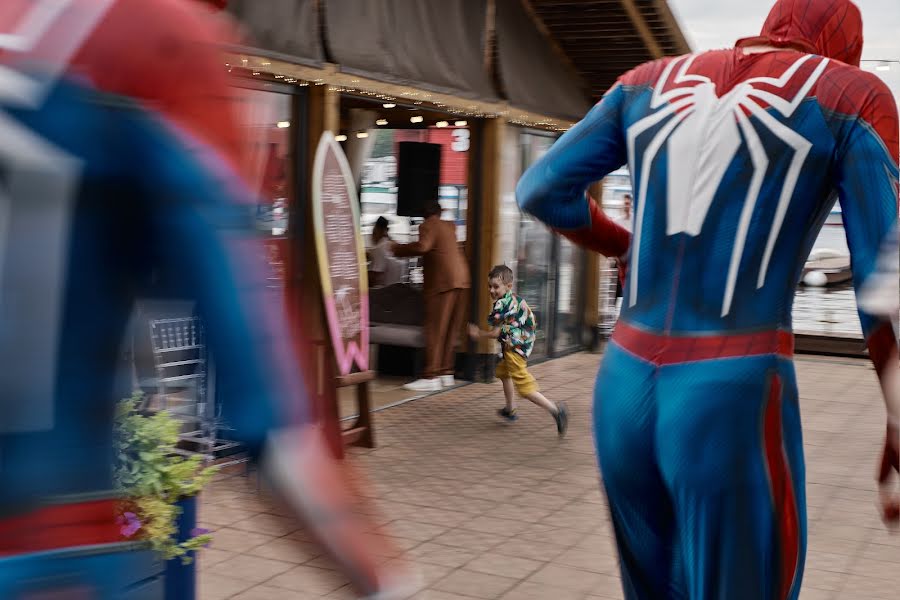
204,235
553,189
866,181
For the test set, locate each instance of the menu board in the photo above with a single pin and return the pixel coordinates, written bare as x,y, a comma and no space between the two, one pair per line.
341,256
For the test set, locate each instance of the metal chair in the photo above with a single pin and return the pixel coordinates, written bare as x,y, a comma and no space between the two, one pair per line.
179,354
609,311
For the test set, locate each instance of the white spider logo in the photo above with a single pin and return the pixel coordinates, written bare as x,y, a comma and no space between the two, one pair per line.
701,150
37,24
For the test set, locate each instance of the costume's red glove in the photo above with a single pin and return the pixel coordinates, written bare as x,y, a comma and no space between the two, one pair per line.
890,463
622,266
602,235
882,346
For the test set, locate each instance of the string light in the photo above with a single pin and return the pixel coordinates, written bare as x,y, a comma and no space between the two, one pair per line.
342,83
362,134
381,122
340,138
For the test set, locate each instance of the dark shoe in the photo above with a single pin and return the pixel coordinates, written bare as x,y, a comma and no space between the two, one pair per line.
562,418
509,415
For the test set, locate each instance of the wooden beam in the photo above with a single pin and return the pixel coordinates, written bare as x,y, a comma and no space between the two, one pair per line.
643,30
355,378
554,46
674,29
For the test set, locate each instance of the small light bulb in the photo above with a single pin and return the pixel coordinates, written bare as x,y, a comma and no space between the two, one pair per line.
381,122
284,124
389,105
441,124
340,138
362,134
461,123
416,119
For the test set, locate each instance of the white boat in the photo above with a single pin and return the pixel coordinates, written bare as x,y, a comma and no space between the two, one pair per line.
826,267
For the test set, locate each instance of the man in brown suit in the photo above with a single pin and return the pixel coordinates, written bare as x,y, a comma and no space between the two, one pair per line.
446,281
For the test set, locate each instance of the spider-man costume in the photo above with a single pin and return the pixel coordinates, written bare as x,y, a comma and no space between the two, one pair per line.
119,161
736,158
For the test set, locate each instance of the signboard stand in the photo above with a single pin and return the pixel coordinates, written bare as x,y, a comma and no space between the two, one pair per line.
360,433
340,254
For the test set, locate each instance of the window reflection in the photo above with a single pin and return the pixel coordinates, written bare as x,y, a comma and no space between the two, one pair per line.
269,129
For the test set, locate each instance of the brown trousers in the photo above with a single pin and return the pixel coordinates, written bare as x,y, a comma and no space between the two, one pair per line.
443,321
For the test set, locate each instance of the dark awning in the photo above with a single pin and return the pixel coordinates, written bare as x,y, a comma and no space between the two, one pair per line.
436,45
283,29
534,76
604,39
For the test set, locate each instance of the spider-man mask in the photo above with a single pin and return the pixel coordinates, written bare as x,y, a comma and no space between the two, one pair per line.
831,28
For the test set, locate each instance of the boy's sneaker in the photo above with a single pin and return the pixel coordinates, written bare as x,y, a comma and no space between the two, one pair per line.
447,381
509,415
562,418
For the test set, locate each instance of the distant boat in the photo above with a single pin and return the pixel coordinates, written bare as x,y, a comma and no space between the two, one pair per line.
826,267
835,217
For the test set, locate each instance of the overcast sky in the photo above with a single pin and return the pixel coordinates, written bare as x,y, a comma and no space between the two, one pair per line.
710,24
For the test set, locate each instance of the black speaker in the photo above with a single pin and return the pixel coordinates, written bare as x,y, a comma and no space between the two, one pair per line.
418,177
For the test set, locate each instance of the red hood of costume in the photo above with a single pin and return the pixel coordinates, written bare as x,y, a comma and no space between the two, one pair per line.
831,28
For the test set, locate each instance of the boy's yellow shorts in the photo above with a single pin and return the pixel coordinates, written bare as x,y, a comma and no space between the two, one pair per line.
515,367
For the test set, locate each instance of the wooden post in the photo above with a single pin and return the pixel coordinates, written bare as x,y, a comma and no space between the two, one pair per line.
484,227
323,111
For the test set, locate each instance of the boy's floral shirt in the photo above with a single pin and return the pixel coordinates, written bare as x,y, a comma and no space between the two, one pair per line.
516,322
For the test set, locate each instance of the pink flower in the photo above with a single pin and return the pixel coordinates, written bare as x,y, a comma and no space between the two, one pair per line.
198,531
128,524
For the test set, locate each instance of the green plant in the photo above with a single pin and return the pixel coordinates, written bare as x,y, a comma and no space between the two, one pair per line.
152,479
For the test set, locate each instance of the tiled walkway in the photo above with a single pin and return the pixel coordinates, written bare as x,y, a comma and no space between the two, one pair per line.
487,510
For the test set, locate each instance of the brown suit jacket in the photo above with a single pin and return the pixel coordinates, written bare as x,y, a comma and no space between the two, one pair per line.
444,263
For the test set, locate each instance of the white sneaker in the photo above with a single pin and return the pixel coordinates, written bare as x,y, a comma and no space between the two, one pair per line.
424,385
447,381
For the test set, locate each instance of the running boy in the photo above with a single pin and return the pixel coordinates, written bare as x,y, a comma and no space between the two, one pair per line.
513,324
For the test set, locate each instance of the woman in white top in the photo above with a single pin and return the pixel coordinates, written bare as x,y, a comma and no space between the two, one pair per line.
384,269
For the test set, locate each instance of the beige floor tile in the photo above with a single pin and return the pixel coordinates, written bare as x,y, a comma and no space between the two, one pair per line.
212,586
268,524
309,580
250,568
288,550
235,540
479,585
485,510
573,579
536,591
266,592
514,567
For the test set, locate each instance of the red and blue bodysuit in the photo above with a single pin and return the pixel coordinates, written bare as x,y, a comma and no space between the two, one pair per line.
736,157
119,175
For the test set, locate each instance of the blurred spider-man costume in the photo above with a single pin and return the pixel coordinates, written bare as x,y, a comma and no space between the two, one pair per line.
736,157
120,156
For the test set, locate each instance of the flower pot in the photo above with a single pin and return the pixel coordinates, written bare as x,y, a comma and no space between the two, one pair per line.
181,579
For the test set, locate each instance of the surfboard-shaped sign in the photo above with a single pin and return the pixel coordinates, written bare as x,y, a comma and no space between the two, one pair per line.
341,256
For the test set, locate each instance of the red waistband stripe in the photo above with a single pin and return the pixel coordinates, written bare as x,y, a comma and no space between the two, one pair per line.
667,350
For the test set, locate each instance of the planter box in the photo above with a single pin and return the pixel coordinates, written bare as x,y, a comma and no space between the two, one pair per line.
181,579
